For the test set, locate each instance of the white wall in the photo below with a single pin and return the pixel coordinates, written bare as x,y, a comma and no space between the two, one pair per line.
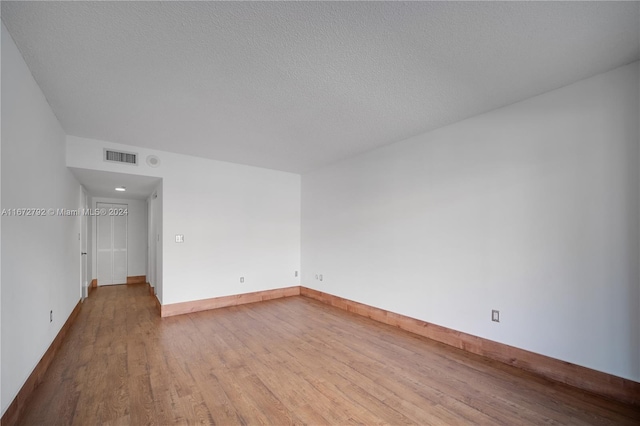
531,209
236,220
136,235
2,33
154,257
155,240
40,256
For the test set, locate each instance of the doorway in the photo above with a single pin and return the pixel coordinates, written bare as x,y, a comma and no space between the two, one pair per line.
84,272
111,244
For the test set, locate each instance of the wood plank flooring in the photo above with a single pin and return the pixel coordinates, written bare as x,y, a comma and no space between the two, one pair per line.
285,361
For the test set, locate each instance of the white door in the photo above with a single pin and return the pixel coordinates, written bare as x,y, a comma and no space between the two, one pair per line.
111,245
151,244
84,280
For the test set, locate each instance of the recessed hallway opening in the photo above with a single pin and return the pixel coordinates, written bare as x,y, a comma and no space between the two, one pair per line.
292,360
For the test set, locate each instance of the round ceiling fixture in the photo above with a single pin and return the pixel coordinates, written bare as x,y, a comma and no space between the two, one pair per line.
153,161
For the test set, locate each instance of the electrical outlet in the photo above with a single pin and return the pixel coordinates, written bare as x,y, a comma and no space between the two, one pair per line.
495,315
179,238
320,277
296,273
316,276
50,316
241,279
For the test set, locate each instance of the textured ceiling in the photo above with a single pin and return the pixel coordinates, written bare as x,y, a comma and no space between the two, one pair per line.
294,86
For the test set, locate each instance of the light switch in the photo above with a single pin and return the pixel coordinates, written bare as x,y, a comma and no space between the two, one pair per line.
179,238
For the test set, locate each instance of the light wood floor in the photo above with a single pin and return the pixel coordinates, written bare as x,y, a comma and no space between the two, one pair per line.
285,361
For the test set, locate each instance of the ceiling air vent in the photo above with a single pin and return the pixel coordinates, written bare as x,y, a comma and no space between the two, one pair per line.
120,157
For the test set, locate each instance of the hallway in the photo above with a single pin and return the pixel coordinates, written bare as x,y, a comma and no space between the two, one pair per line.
285,361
